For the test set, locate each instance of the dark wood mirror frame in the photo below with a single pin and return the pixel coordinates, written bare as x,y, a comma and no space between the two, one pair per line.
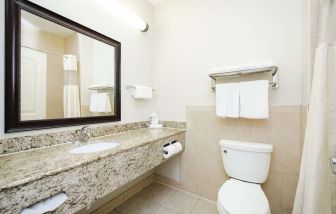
12,68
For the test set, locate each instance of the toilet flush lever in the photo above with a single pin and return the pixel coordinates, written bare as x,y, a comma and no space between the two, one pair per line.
333,165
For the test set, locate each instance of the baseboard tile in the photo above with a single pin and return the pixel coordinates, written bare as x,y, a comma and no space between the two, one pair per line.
114,203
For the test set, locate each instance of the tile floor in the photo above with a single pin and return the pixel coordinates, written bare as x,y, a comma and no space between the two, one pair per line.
160,199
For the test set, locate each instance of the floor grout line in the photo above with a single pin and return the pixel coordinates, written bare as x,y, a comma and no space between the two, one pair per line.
167,209
192,209
189,193
164,200
173,191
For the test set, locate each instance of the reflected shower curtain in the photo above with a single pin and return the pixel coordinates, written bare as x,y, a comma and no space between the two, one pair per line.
71,101
313,194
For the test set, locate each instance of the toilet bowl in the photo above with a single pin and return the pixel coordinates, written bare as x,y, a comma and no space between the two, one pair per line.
247,165
239,197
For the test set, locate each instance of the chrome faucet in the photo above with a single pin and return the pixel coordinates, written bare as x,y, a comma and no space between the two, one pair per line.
84,135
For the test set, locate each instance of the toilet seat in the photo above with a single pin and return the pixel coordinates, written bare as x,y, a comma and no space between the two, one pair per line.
239,197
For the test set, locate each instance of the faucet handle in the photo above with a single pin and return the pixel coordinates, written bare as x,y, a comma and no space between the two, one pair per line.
85,130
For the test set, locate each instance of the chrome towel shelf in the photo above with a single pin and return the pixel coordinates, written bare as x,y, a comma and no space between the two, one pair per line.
273,70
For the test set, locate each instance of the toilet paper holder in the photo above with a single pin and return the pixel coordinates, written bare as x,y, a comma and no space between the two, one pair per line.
167,144
171,149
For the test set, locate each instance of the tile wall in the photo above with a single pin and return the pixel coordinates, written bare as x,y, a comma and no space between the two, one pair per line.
202,171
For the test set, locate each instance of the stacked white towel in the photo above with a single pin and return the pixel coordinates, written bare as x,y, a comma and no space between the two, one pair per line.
245,99
142,92
254,99
100,102
242,68
227,100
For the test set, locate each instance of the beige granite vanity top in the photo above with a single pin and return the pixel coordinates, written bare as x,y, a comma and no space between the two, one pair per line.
23,167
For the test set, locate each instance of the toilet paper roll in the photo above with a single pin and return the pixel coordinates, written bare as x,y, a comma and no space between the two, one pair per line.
177,147
172,149
168,151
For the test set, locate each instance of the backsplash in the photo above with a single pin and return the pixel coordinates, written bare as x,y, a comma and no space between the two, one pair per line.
173,124
23,143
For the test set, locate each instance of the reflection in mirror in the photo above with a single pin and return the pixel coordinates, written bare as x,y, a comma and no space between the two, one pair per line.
64,74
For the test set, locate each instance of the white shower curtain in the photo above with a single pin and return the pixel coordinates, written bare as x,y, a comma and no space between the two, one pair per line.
71,100
313,195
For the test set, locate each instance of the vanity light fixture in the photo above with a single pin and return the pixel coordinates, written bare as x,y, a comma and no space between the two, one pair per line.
116,8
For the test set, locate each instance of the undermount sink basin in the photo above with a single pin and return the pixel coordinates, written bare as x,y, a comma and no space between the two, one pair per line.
94,147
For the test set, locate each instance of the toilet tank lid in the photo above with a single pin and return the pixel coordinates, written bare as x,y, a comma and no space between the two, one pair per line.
245,146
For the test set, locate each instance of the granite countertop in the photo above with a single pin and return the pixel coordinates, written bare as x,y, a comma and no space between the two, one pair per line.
23,167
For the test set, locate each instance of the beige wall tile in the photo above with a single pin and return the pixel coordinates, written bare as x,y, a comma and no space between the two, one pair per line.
202,170
303,123
290,156
291,125
288,191
284,109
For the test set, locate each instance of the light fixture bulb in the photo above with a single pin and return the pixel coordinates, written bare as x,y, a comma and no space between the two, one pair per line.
119,10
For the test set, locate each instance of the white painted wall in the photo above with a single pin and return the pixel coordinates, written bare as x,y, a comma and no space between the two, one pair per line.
136,50
194,35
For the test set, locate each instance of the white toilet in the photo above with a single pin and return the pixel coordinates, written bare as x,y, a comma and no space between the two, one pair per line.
247,164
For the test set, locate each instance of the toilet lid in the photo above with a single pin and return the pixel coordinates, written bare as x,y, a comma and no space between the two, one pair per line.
239,197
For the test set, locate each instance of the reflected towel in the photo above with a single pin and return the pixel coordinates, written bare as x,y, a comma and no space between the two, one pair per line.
227,100
254,99
100,102
71,103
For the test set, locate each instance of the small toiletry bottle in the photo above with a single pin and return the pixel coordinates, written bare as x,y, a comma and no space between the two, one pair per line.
154,119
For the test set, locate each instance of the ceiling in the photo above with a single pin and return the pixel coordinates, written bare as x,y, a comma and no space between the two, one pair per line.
155,2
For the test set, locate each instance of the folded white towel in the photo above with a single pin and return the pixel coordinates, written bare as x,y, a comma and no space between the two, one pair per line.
227,100
256,66
100,102
254,99
142,92
244,67
47,205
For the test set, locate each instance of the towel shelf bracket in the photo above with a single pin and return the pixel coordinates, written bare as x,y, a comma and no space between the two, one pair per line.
273,70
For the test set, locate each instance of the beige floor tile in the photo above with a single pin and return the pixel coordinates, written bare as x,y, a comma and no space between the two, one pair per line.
114,212
181,202
164,210
126,204
157,192
137,205
204,207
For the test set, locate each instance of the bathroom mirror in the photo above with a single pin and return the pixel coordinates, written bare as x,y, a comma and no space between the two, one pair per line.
58,72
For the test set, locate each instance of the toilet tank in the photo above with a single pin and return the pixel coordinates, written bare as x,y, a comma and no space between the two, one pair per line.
246,161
